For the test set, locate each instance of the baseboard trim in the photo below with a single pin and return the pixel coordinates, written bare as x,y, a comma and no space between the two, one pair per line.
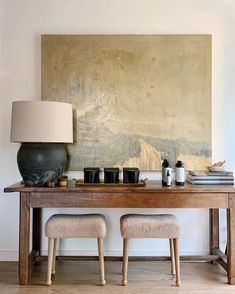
8,255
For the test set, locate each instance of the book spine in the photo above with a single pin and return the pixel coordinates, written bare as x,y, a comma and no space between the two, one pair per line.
204,173
208,182
212,178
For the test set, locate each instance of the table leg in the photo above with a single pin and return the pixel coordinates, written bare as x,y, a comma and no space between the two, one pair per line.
214,230
231,239
24,224
37,225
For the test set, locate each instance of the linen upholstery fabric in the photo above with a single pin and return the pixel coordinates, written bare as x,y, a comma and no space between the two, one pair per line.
150,226
72,226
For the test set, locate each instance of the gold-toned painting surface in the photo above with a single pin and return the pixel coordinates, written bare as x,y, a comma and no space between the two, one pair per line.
137,98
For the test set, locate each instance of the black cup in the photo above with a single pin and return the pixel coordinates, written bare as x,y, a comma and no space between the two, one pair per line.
91,175
131,175
111,175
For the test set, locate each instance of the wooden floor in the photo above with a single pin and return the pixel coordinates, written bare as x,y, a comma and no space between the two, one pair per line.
143,277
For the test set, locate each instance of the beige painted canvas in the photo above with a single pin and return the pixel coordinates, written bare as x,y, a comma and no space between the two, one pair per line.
137,98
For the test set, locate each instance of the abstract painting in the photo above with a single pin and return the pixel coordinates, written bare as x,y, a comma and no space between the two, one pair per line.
137,98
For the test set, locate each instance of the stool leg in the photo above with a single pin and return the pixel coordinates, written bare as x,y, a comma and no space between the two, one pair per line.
172,256
50,258
101,260
123,245
125,261
54,257
177,261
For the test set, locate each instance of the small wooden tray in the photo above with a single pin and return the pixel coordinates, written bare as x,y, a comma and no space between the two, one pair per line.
81,183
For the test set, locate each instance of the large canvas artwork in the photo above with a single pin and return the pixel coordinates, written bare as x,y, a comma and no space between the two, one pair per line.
137,98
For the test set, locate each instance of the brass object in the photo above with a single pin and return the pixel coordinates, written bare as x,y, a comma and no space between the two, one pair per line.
62,181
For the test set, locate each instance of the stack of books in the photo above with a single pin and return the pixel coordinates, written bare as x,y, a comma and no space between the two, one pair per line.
210,178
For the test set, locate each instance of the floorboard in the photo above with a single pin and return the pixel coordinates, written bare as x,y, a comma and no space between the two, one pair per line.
143,277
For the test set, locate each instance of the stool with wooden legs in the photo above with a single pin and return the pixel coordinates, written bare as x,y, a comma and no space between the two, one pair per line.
74,226
151,226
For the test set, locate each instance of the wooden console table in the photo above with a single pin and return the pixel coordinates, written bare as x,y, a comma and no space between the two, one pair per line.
151,196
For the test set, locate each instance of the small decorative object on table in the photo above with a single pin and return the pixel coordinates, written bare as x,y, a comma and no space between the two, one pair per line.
131,175
63,181
91,175
217,167
179,173
50,184
168,179
111,175
166,167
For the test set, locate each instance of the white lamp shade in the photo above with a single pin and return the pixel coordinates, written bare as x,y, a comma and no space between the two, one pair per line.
42,122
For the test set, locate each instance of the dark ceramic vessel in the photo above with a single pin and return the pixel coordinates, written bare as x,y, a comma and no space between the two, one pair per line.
40,163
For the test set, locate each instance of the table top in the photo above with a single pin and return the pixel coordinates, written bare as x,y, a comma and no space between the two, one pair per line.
151,187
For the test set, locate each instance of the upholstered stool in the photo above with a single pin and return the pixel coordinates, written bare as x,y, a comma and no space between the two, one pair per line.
151,226
74,226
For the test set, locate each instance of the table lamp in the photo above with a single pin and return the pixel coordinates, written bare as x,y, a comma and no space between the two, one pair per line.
42,128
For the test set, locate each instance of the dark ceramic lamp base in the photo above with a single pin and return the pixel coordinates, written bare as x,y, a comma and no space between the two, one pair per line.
40,163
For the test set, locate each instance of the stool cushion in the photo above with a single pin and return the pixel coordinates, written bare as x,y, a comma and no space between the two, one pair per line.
72,226
150,226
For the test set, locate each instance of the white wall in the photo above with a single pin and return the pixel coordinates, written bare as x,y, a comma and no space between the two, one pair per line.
22,23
